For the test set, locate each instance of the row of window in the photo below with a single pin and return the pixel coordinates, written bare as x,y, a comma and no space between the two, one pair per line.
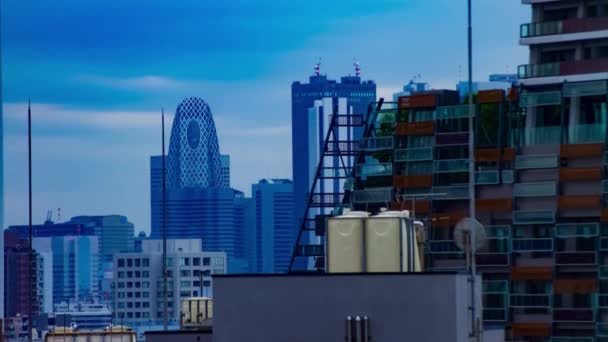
131,274
133,294
135,284
130,305
144,314
135,262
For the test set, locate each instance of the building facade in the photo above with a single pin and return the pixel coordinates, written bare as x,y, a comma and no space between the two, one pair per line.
75,266
21,292
275,232
198,204
358,94
225,166
138,279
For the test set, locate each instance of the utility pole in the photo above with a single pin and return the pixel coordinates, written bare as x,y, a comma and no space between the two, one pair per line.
165,287
31,250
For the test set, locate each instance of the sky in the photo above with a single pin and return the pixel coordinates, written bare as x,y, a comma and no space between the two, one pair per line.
98,74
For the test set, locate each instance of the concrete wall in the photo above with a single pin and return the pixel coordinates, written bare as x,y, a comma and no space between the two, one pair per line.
416,306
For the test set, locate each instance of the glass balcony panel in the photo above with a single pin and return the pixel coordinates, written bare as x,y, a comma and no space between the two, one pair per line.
486,177
603,272
370,170
451,192
533,217
414,154
422,115
494,315
535,189
573,315
532,245
541,135
585,88
602,330
538,70
530,301
508,176
459,138
605,186
452,112
379,195
577,229
498,231
543,161
451,165
575,258
496,286
604,244
603,301
376,144
540,29
588,133
443,246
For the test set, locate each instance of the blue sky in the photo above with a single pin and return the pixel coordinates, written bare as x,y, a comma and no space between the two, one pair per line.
98,73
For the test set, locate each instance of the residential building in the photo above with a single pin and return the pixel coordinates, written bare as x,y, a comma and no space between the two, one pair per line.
198,206
358,94
21,291
75,266
138,279
225,166
275,232
463,86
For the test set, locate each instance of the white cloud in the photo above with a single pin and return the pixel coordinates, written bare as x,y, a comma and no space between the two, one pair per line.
146,82
53,114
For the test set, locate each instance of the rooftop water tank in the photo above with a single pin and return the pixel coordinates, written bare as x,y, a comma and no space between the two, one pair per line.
345,242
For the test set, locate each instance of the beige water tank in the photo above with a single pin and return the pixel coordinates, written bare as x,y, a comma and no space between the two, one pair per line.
345,243
383,242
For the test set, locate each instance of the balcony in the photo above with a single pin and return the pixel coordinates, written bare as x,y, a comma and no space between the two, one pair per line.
534,217
602,330
377,144
494,315
415,128
451,165
535,99
602,272
458,138
544,161
568,26
604,244
451,192
569,174
452,112
573,315
576,67
532,245
581,150
414,154
498,231
575,258
539,135
565,230
508,176
380,195
579,202
535,189
530,301
486,177
589,133
374,170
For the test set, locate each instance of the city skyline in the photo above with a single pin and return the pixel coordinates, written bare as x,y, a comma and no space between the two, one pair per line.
91,146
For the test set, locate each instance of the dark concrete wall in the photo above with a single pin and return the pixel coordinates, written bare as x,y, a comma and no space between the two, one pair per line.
413,307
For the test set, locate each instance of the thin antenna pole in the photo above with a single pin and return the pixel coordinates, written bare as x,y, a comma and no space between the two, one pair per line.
31,251
472,240
165,288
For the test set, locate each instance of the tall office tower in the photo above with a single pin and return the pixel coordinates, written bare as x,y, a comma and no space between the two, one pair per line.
198,206
225,166
75,266
358,94
20,293
274,225
138,279
115,234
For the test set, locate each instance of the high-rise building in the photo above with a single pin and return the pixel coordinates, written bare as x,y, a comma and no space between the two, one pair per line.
225,165
138,279
358,94
198,205
19,292
275,232
76,275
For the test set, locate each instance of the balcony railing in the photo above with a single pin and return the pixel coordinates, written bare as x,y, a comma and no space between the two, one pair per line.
602,272
604,244
530,301
539,135
451,165
544,98
602,330
589,133
498,231
576,67
575,258
534,189
452,112
534,217
576,229
573,315
532,245
542,161
508,176
602,301
457,138
495,286
369,170
377,144
486,177
379,195
494,315
414,154
574,25
452,192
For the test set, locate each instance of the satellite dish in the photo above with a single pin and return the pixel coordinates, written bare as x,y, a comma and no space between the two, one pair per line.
464,229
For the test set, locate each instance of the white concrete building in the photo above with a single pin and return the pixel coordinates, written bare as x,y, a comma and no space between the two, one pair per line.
138,281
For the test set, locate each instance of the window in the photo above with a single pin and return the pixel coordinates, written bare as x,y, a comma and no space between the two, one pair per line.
169,273
184,293
129,262
145,295
184,261
206,283
145,262
196,283
129,294
137,294
196,261
129,274
121,262
145,304
137,284
137,262
137,315
129,315
121,285
121,295
196,273
169,261
184,283
137,305
121,274
184,273
218,261
146,315
145,284
129,305
145,274
207,261
218,271
137,274
129,285
121,305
